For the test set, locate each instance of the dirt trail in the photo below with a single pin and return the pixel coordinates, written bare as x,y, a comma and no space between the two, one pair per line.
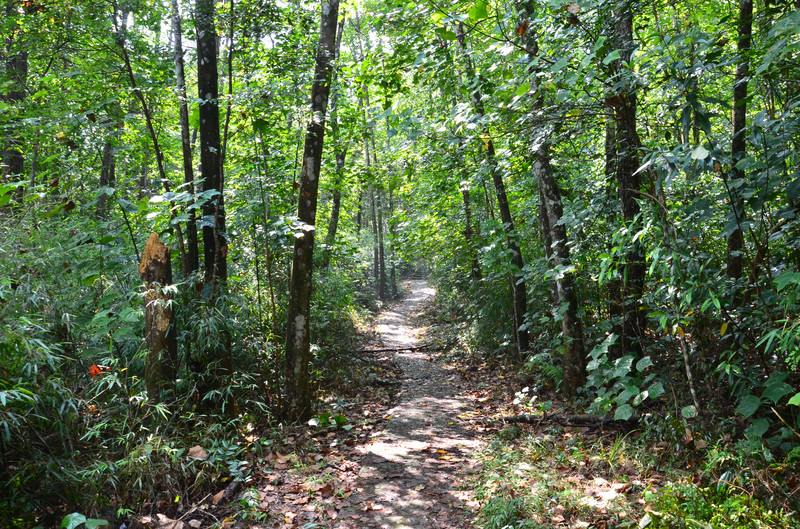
410,474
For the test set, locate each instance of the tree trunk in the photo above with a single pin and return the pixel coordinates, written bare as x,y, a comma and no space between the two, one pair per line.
571,325
155,270
393,233
191,261
336,206
518,287
629,187
341,153
376,271
12,160
215,247
382,294
464,186
298,354
738,140
107,178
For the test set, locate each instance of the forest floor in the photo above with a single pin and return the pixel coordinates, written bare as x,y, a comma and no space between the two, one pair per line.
420,434
400,461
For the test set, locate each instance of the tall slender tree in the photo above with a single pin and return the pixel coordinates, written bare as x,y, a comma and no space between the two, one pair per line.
518,288
629,181
12,159
738,138
192,260
215,246
298,344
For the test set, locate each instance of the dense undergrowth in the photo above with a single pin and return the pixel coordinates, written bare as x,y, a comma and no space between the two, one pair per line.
77,429
666,466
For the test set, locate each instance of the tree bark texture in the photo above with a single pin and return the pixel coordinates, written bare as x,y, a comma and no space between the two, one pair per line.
191,261
629,187
298,354
215,247
155,270
336,207
738,139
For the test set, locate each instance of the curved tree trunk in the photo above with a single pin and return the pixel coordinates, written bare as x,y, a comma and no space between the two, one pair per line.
298,354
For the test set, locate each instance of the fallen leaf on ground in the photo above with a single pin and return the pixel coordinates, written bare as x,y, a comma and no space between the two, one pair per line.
197,452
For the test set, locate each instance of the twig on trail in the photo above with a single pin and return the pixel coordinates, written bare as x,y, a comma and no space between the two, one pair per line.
585,420
196,506
395,349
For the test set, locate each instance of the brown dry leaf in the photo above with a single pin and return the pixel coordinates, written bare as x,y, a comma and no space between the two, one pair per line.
688,437
165,522
573,8
216,498
326,490
195,524
197,452
621,487
333,513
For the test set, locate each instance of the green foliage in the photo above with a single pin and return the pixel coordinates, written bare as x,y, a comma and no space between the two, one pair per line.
74,520
687,505
620,384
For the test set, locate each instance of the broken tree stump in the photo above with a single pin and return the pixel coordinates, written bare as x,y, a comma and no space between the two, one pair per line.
155,270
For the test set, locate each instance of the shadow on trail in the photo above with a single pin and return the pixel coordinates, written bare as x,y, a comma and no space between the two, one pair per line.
410,473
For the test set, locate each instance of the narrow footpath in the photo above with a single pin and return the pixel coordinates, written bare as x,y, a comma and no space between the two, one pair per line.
411,474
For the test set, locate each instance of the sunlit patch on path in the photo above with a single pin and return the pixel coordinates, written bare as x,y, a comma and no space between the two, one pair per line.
410,474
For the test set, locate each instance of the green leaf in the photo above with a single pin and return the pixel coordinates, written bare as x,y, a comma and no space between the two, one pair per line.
523,89
700,153
776,391
260,125
94,523
748,405
613,56
687,412
786,279
623,412
128,206
655,390
643,364
478,10
71,521
757,430
795,401
626,394
622,366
